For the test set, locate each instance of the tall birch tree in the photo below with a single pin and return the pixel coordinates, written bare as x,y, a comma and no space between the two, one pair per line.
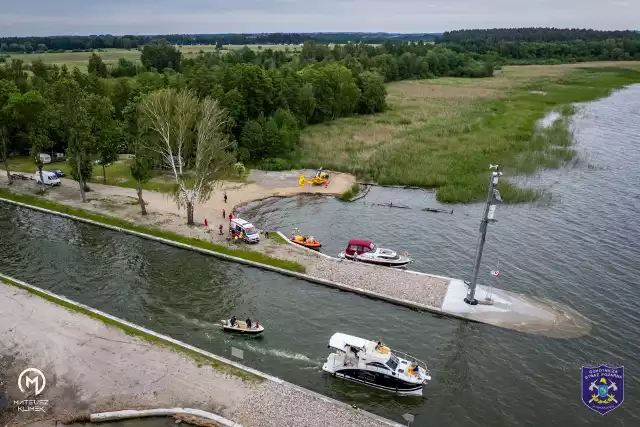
190,136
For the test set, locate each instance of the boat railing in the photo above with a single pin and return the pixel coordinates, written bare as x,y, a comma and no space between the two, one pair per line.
410,359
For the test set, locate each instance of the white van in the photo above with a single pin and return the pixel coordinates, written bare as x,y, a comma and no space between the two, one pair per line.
250,233
45,158
50,178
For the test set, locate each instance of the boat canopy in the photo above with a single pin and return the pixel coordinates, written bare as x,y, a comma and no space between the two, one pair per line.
359,246
339,341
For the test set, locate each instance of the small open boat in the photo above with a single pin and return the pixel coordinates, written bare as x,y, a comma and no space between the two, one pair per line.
241,327
308,242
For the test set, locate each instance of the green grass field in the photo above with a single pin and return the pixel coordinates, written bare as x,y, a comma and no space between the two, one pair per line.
443,133
77,59
111,56
119,173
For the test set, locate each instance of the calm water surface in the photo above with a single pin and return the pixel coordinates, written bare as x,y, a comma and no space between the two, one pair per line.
582,250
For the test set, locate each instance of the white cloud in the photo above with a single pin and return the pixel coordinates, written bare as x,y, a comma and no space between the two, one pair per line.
45,17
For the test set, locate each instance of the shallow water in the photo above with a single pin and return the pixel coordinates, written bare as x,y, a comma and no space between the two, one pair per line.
581,250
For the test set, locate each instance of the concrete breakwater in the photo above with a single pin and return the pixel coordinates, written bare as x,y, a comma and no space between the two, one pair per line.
437,294
445,295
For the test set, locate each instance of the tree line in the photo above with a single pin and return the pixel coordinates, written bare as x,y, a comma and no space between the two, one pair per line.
94,42
535,34
82,43
621,49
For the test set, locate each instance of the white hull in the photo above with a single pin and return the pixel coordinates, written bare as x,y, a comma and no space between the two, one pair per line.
361,361
241,328
402,262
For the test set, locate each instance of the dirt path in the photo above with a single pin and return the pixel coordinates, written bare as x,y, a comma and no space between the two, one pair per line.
91,367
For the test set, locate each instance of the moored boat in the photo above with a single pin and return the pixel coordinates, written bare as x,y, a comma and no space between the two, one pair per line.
242,328
308,242
376,365
367,252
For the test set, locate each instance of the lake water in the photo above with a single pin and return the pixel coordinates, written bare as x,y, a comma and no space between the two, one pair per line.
581,249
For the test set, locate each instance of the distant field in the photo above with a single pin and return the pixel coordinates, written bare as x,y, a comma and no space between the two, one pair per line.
80,59
444,133
118,173
264,46
77,59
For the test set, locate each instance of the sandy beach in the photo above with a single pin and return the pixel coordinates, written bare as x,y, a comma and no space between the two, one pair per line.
92,367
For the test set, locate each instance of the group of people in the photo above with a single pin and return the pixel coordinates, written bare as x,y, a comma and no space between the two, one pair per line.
234,322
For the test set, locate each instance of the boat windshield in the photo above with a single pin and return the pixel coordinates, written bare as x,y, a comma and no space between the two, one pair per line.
251,231
392,362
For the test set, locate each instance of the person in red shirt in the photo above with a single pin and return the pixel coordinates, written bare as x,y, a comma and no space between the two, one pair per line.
230,217
220,228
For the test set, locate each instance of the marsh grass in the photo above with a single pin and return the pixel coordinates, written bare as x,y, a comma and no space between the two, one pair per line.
350,193
444,133
117,222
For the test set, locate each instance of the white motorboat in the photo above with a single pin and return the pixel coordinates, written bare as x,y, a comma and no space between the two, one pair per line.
375,365
241,327
366,251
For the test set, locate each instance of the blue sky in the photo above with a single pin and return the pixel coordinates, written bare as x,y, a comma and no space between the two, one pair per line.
53,17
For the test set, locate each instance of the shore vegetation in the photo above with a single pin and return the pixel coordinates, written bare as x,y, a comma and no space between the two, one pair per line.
420,110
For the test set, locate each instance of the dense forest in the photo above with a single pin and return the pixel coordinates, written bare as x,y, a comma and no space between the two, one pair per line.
541,34
553,52
545,45
268,94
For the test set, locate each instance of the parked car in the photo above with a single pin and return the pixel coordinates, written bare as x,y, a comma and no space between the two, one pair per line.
50,178
45,158
58,172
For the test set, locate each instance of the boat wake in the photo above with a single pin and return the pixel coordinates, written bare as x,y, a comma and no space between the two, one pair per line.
278,353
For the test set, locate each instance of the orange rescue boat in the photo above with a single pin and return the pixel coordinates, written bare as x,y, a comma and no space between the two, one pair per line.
308,242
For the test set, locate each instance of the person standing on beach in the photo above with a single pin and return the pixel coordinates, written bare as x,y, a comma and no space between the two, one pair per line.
225,197
224,213
230,217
